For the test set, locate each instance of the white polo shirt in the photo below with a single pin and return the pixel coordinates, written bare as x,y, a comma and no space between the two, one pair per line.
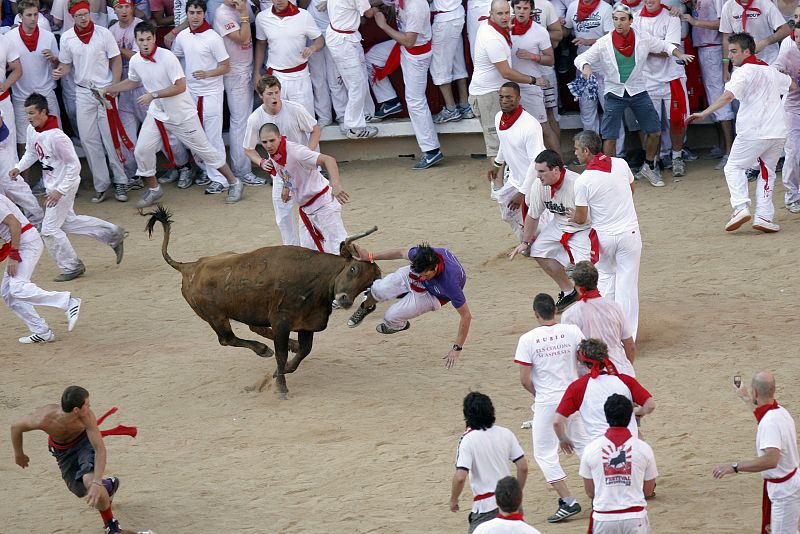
550,352
228,20
619,473
415,17
609,198
776,430
206,50
661,70
602,318
485,454
535,40
286,37
541,199
346,15
519,146
706,10
596,25
292,120
300,174
89,61
763,18
160,75
37,70
759,89
490,48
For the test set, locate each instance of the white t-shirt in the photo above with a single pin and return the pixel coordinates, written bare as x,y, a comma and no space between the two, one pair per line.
300,174
550,352
519,146
292,120
206,50
9,208
777,431
61,168
503,525
706,10
415,17
486,455
286,37
345,15
37,70
490,48
763,18
535,40
619,474
789,62
544,14
60,11
448,10
89,61
160,75
541,199
609,198
661,70
228,20
8,53
602,318
759,90
596,25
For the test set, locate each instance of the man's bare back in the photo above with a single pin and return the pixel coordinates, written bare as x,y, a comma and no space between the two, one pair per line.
61,427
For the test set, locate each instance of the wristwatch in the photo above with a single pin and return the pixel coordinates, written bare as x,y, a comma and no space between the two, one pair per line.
735,467
533,80
154,94
457,347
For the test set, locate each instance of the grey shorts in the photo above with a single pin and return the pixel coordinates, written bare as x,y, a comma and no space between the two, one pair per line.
477,519
75,460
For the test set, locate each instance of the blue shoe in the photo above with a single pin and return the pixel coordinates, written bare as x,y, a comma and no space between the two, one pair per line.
427,161
386,110
447,115
466,111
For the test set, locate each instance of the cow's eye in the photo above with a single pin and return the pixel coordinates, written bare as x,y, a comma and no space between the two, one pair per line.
353,269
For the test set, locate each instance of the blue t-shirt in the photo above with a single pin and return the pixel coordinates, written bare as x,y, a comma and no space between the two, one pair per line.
448,286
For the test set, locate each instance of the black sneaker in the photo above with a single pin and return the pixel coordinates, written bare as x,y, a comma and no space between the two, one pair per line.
564,511
359,315
752,174
384,329
112,527
112,485
566,299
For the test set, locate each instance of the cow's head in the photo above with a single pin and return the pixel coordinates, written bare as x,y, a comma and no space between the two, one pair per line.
356,276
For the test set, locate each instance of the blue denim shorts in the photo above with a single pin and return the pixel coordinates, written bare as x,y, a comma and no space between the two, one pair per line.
641,106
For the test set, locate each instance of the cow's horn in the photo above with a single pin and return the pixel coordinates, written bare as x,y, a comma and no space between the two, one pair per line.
359,235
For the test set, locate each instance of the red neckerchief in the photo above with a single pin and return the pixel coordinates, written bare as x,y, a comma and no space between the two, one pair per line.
600,162
558,184
151,57
618,435
31,41
502,31
631,4
753,60
745,8
416,286
518,28
50,124
597,367
591,294
584,9
516,516
507,121
290,10
200,29
279,156
761,411
645,13
85,34
624,45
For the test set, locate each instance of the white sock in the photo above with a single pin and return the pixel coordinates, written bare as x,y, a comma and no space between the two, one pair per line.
569,500
158,188
678,154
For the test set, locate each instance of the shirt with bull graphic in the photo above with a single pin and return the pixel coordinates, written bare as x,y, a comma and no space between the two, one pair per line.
449,285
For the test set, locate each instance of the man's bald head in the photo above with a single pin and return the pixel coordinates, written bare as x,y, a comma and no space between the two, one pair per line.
500,13
497,4
764,384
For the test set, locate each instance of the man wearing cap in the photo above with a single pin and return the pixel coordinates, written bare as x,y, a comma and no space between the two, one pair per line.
621,55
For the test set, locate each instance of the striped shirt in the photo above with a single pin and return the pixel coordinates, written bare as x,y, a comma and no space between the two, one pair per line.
603,319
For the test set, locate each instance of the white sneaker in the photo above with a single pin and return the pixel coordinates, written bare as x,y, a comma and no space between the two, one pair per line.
738,218
73,311
794,207
652,175
38,338
765,225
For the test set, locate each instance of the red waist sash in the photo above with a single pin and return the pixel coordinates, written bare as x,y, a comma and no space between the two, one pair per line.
316,235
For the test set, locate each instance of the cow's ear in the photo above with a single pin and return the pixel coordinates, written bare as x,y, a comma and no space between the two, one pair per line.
345,251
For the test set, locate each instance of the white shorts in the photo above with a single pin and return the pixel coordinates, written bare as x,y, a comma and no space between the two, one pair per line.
636,525
548,245
533,101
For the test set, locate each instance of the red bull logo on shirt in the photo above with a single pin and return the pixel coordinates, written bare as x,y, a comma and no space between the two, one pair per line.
617,466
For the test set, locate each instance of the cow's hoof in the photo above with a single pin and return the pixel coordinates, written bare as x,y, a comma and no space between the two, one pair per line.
282,395
267,352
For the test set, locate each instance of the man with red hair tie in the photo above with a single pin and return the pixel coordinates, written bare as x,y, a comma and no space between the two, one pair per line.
92,54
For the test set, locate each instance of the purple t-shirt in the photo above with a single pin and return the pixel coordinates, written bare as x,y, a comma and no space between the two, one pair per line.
449,285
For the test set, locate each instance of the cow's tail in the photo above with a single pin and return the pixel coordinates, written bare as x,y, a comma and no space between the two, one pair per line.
162,214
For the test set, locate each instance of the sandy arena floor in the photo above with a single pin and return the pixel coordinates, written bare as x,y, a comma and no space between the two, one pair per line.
366,441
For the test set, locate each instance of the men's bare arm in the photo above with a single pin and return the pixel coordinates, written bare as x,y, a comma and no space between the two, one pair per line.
459,478
259,54
15,74
630,349
761,463
335,180
588,487
115,64
525,379
522,471
581,214
313,138
26,424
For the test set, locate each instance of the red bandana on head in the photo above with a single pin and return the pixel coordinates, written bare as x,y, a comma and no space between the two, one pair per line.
50,124
753,60
502,31
31,41
624,44
745,8
518,28
200,29
600,162
558,184
290,10
584,9
597,367
507,121
618,435
645,13
631,4
279,156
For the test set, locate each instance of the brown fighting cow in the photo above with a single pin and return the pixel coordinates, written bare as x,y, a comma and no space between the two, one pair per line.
273,290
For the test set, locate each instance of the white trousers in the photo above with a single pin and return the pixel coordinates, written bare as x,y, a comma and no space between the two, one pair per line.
412,304
326,216
791,166
18,191
348,55
21,295
22,119
785,515
95,135
475,10
188,133
132,115
284,214
710,58
448,63
744,153
61,220
296,87
512,217
329,91
7,111
545,441
638,525
415,77
376,56
68,94
618,271
212,125
240,104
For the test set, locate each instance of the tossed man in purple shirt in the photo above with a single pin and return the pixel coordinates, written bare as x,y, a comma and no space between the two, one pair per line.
434,278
